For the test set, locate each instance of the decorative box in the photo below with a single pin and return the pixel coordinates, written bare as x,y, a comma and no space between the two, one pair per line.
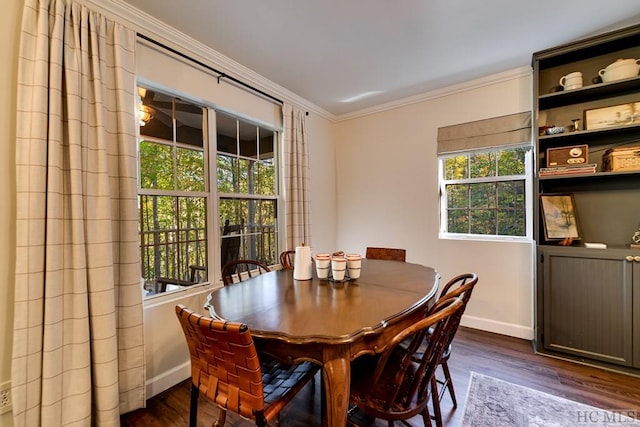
621,159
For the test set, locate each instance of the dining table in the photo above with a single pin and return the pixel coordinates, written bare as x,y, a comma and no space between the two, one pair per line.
326,322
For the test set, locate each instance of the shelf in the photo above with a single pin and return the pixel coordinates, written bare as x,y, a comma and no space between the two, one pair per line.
614,248
582,135
588,93
596,175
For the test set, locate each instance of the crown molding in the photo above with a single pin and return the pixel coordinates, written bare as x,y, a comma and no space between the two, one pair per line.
159,31
492,79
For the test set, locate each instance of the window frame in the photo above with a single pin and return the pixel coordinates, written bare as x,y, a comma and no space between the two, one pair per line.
527,177
277,197
210,193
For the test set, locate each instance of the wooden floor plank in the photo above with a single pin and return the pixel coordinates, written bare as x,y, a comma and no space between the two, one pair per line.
502,357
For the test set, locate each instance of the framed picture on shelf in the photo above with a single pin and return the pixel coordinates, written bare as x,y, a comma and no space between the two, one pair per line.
616,115
559,216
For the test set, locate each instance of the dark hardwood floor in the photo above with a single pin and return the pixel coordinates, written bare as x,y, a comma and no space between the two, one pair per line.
502,357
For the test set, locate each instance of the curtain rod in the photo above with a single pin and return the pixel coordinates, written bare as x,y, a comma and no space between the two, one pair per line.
221,75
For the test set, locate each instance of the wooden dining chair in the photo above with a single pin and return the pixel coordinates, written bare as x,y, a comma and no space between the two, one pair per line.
392,254
396,384
241,269
286,259
459,287
227,369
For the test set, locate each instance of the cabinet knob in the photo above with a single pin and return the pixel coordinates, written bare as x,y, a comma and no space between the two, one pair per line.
636,258
629,258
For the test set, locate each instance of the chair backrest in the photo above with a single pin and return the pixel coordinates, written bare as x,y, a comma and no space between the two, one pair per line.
241,269
392,254
460,286
197,273
224,362
400,384
286,259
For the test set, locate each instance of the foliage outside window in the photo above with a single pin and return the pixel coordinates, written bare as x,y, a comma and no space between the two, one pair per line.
483,193
247,190
173,189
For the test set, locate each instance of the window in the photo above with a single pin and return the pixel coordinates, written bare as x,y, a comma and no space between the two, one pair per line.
247,190
484,193
173,190
484,175
176,203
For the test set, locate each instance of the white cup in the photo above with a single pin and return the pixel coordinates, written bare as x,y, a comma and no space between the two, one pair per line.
338,268
323,265
571,80
354,265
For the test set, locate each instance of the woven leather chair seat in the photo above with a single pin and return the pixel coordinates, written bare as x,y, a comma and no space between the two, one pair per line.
227,369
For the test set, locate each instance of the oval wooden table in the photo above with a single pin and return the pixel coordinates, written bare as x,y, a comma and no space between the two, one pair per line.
326,322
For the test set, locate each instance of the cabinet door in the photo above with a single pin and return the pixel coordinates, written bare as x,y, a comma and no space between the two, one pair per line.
588,305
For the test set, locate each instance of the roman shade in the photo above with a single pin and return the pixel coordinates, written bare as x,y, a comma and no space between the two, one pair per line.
503,131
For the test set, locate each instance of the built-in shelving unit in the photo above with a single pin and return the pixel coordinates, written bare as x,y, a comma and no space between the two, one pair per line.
588,300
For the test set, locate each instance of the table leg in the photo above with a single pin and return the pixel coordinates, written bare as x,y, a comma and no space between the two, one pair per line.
336,374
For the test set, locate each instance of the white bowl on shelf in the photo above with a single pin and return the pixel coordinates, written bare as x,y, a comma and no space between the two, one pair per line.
621,69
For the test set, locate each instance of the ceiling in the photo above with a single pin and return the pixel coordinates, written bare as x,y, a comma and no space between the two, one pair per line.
350,55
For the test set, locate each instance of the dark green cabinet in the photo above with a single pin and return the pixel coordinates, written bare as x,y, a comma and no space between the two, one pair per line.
588,300
592,303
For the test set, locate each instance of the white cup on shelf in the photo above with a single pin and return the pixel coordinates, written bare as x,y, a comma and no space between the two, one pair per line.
571,81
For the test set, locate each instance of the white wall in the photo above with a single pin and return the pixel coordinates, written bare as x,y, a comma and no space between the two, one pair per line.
388,196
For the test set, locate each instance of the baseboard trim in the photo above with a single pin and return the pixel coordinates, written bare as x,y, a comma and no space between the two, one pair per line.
168,379
503,328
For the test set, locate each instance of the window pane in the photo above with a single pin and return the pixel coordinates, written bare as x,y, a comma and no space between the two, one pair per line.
483,165
458,196
511,214
266,145
156,166
483,195
483,221
160,109
227,172
188,123
190,169
173,236
245,182
511,162
511,222
458,221
226,133
248,140
456,167
511,194
265,178
255,222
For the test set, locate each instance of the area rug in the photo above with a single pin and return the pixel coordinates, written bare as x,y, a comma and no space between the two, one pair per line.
495,403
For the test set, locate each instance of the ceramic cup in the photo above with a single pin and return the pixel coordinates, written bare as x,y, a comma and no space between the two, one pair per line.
338,268
354,265
323,265
571,80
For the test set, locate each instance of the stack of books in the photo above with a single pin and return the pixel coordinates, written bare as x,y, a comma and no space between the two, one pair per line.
569,170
